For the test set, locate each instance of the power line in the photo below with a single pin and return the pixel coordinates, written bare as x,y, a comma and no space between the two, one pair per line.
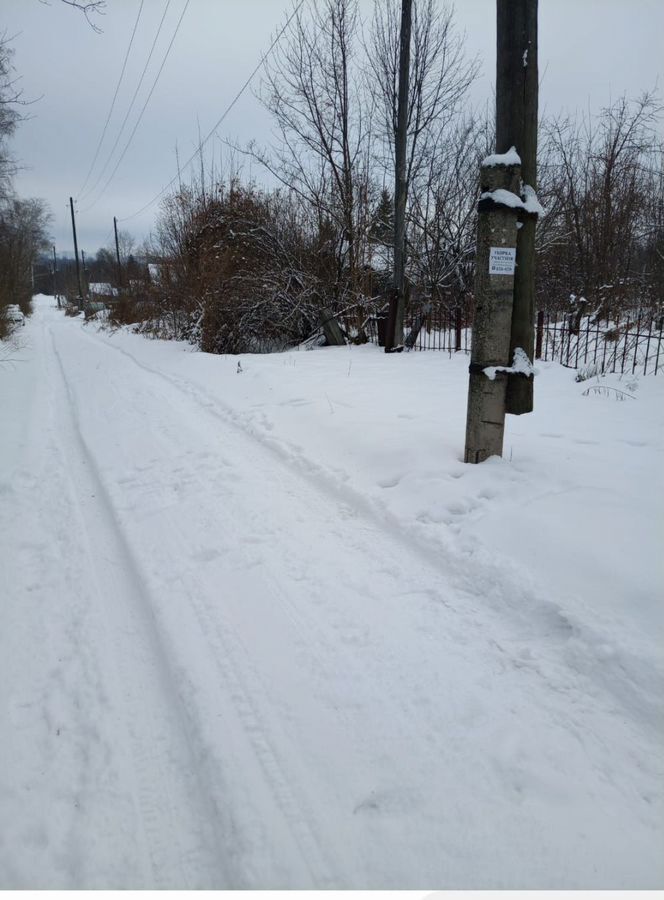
131,104
115,96
222,117
140,115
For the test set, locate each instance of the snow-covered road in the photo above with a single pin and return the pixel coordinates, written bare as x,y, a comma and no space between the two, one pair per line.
220,669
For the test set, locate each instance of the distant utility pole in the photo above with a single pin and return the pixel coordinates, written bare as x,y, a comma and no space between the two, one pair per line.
86,275
78,268
516,126
117,251
55,282
394,336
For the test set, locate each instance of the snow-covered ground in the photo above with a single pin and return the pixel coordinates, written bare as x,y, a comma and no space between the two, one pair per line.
265,629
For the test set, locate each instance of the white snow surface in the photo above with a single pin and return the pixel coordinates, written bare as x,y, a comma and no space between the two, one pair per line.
267,630
521,364
511,158
504,197
531,201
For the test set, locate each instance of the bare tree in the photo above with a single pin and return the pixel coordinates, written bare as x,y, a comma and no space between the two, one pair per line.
126,244
650,258
439,80
89,8
23,236
10,100
236,269
602,175
313,90
23,223
444,216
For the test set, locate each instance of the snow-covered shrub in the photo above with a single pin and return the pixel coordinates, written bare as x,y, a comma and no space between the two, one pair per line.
608,390
590,370
243,270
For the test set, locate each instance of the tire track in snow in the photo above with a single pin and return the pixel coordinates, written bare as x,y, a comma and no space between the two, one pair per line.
56,748
486,583
245,688
188,846
553,708
234,660
239,682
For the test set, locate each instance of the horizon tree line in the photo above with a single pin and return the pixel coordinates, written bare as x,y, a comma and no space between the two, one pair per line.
244,267
237,266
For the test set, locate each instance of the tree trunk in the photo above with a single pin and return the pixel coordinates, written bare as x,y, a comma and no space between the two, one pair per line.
333,333
397,302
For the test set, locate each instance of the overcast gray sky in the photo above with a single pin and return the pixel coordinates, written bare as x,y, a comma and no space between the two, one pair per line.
590,51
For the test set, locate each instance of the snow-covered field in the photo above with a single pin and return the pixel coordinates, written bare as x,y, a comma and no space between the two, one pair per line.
265,629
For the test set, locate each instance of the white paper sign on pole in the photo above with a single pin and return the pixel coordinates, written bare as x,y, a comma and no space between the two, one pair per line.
502,260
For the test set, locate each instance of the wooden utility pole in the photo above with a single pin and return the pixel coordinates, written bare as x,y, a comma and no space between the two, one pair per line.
86,277
78,268
494,289
55,281
117,251
516,126
394,337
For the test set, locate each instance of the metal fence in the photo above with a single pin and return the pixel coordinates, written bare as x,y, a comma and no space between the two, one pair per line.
632,345
441,329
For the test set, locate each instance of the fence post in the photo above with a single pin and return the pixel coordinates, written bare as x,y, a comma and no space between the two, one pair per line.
457,328
645,364
638,339
624,356
540,334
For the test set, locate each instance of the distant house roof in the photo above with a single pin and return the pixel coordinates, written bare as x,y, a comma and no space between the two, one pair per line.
102,289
